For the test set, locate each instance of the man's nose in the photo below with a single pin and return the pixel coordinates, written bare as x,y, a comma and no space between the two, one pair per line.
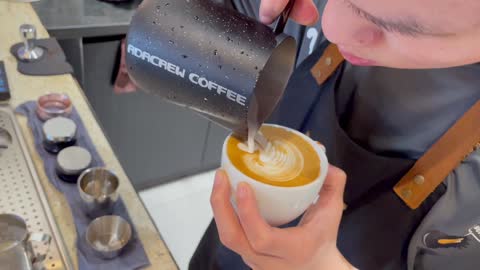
344,27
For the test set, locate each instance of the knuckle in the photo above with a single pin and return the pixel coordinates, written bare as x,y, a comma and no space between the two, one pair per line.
229,240
215,199
262,244
249,262
342,175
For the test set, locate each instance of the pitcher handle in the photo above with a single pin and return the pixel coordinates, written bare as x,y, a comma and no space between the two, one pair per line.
283,19
38,259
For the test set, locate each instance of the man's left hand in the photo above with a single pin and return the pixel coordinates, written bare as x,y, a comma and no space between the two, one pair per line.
309,246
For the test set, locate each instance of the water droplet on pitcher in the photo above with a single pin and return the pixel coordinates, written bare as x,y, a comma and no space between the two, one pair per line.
220,66
205,99
158,7
171,41
215,52
167,4
256,68
242,52
199,65
154,22
173,29
181,26
197,18
234,69
184,56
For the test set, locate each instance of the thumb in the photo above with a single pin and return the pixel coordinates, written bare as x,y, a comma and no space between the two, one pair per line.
329,205
333,187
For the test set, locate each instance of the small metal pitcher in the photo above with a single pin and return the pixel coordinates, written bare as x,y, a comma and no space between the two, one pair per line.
98,188
16,248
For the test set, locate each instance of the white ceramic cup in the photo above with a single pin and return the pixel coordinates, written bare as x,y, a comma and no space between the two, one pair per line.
279,205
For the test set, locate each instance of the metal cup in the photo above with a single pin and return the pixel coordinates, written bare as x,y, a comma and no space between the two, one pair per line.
108,235
16,249
206,57
98,189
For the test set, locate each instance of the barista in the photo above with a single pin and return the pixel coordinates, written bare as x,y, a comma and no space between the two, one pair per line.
412,71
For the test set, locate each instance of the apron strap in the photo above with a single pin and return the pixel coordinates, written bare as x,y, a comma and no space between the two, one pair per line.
327,64
441,159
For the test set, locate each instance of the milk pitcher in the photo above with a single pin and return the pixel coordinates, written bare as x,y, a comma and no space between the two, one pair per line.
201,55
16,245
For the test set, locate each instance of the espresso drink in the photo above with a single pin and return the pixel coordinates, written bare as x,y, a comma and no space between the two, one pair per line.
284,158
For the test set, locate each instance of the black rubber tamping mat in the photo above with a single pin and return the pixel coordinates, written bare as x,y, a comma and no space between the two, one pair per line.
52,62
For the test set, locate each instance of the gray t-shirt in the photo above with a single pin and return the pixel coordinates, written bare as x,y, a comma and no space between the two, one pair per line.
308,38
403,112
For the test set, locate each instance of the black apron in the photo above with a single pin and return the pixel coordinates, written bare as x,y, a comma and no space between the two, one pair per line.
377,226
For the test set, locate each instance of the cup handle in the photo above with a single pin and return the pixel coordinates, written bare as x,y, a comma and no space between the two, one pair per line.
38,259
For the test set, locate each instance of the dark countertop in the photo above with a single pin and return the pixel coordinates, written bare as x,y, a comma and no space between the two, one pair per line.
84,18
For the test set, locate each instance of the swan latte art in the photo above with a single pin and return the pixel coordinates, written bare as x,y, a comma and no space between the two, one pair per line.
288,160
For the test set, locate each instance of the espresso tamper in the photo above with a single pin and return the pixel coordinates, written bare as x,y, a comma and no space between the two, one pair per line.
29,51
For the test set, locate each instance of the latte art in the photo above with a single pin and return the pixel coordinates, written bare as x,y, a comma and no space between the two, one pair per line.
285,169
284,158
280,161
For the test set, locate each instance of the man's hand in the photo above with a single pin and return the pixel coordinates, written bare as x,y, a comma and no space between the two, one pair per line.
304,12
309,246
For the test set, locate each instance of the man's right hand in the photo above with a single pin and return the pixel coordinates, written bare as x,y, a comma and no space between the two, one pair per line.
304,12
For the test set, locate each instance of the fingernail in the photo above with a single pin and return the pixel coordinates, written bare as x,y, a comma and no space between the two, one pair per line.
242,191
265,19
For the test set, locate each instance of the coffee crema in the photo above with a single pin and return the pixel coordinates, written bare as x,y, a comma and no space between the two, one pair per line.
287,161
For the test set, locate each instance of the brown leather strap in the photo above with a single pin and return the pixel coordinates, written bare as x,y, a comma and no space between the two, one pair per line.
441,159
327,64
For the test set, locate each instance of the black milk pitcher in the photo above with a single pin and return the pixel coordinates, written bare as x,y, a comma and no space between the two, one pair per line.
206,57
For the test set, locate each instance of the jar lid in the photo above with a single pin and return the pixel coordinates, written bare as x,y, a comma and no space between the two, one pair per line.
73,160
59,129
